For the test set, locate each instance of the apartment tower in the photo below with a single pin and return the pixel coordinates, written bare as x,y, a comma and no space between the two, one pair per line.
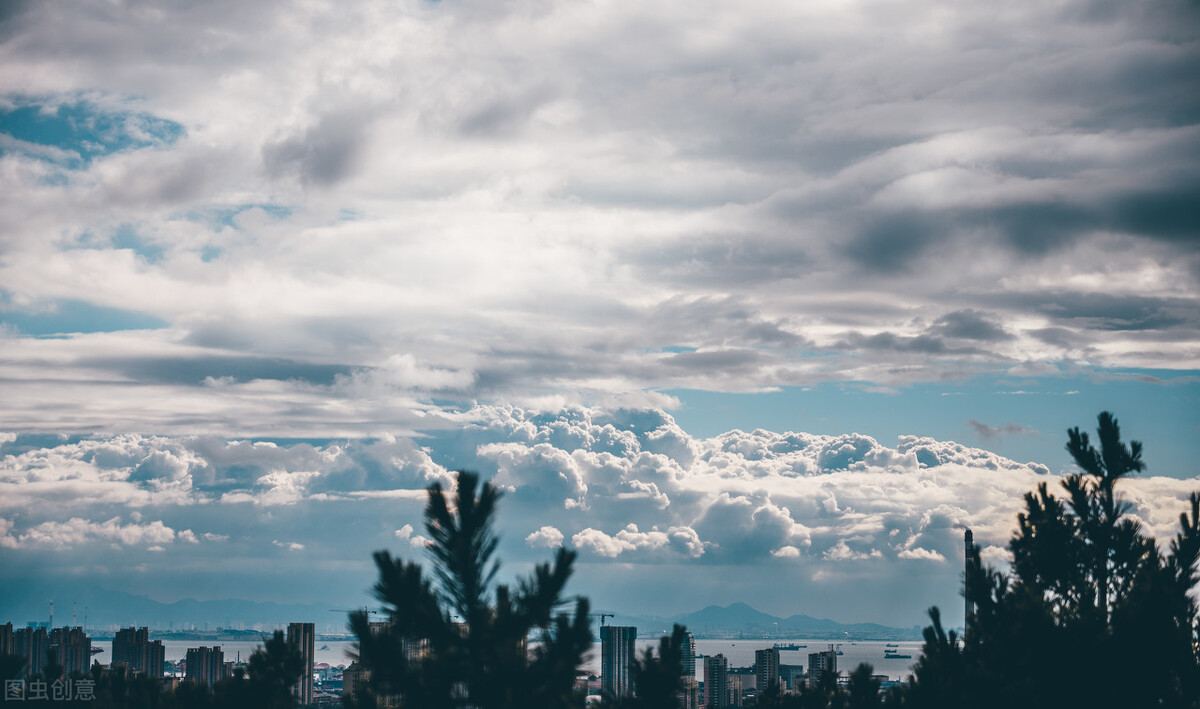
302,636
716,681
617,652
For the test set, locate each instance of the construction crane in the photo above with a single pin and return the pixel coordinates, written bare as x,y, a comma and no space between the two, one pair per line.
602,616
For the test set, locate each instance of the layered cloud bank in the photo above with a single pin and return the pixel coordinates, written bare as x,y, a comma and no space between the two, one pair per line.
629,489
313,221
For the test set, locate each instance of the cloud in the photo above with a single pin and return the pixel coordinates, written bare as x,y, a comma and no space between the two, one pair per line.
995,556
6,540
842,552
808,214
599,543
633,482
969,325
320,269
988,432
921,554
547,537
323,154
78,531
811,508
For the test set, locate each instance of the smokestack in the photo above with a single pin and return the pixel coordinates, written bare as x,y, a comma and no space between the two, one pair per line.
52,615
968,544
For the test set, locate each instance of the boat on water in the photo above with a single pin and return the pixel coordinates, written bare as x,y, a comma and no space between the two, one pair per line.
323,647
891,645
895,655
787,646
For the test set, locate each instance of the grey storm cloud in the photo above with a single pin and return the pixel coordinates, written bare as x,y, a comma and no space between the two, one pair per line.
370,216
323,154
970,325
989,432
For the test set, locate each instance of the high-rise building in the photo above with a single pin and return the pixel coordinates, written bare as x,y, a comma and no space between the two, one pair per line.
72,649
819,662
205,665
688,656
766,667
617,652
716,681
156,659
8,641
302,636
792,676
32,643
740,680
134,648
689,695
353,677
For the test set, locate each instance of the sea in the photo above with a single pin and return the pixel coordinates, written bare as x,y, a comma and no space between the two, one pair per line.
738,653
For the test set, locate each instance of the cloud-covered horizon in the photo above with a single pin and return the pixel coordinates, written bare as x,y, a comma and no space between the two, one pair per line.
629,489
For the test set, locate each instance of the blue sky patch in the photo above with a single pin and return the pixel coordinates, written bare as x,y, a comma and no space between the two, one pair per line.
82,130
1161,408
70,316
227,215
126,237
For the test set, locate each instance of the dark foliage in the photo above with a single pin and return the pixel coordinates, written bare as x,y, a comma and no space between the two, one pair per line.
270,674
456,639
1093,612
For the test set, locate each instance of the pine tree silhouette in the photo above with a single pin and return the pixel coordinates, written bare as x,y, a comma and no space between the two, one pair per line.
456,639
1093,612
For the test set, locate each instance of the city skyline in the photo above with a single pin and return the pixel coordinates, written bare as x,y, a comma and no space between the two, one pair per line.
746,304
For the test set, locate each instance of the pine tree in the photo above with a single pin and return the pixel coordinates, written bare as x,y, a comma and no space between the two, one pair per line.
456,638
1093,612
271,672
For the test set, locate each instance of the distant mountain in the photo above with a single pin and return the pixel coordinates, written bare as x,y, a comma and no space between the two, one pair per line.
738,615
22,602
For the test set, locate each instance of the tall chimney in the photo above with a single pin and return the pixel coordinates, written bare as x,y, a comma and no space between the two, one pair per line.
969,607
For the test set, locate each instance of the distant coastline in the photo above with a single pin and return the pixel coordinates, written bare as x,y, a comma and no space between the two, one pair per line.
734,622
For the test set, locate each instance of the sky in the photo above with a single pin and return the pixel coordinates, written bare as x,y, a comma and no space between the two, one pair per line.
756,301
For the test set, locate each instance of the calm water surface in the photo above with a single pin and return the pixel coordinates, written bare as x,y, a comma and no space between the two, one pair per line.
739,653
